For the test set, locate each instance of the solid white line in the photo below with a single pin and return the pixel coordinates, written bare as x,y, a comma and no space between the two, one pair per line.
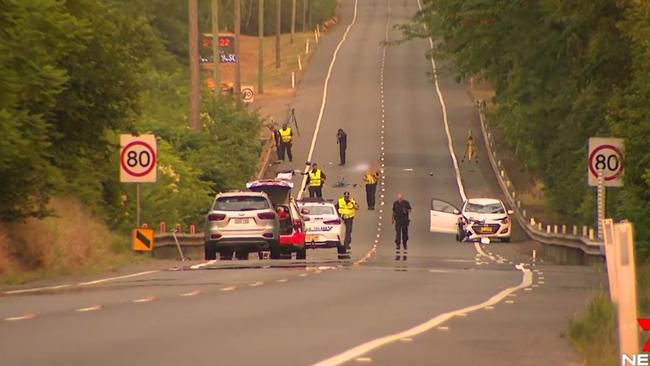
116,278
324,100
57,287
424,327
445,119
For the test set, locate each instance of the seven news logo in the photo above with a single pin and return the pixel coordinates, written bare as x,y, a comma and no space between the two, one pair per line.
639,359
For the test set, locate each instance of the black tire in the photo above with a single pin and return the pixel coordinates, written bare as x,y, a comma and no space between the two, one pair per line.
340,249
301,254
275,253
225,254
241,255
210,253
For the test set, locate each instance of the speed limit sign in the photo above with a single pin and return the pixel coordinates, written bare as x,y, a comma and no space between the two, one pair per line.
138,159
248,93
606,154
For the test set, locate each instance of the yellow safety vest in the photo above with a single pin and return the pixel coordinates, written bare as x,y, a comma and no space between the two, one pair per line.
370,178
347,209
285,134
314,178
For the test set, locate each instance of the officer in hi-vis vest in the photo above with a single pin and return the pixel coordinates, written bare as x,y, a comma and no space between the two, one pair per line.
370,179
286,137
315,181
347,207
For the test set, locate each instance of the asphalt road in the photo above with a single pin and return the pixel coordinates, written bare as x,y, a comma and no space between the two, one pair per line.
442,303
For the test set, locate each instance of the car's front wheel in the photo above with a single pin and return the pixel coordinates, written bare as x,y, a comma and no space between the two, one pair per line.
225,254
241,255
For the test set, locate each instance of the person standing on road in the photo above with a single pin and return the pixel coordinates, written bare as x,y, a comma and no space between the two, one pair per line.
370,179
347,208
342,141
286,137
401,211
315,181
276,140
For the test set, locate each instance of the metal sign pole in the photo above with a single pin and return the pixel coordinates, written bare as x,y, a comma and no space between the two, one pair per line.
601,203
137,205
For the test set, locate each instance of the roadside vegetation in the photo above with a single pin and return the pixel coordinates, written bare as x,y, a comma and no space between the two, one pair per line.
77,73
562,72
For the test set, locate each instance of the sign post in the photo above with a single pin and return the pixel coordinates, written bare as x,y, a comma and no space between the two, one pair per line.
138,160
605,168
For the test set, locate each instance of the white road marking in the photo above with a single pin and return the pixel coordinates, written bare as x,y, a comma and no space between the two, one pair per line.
303,274
282,280
57,287
366,347
229,288
406,339
324,99
208,263
191,293
363,359
89,308
21,317
510,302
256,284
145,299
443,328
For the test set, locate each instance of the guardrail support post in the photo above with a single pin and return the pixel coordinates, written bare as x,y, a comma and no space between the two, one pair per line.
564,229
591,234
548,229
523,213
575,230
585,231
539,226
163,227
554,229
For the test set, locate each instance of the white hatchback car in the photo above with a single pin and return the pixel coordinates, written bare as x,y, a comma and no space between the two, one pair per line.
479,218
324,229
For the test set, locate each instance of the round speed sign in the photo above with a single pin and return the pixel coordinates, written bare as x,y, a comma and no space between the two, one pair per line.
606,156
138,159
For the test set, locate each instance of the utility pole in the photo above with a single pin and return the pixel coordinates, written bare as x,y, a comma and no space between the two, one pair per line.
278,29
304,15
216,59
260,50
293,19
195,87
237,90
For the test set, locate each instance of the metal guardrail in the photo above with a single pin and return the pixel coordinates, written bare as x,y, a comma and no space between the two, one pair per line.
546,234
185,240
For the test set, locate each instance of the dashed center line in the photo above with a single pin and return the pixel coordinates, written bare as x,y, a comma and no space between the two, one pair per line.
229,288
145,299
191,293
89,308
21,317
256,284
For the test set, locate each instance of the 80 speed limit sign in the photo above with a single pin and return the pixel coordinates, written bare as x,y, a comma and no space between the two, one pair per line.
138,159
606,154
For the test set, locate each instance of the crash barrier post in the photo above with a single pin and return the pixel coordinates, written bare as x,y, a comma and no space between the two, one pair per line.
178,245
588,243
163,227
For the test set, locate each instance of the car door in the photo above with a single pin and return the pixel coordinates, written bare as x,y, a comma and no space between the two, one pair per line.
443,217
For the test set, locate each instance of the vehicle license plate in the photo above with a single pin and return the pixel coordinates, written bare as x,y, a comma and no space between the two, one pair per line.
241,221
485,229
311,238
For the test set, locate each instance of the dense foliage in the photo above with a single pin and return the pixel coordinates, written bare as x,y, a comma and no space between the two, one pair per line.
563,71
74,74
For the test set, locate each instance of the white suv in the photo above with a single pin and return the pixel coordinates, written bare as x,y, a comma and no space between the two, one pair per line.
240,222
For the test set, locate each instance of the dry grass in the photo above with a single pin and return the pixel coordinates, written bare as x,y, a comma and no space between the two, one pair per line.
277,81
71,241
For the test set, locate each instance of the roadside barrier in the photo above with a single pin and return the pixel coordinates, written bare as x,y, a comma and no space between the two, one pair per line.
548,234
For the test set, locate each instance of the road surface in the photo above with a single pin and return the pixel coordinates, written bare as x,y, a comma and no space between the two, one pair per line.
442,303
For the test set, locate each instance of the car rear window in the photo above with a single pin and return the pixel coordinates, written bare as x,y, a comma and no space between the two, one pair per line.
241,203
320,210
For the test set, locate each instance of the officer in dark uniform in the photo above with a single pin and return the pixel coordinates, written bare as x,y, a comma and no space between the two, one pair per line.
401,211
342,141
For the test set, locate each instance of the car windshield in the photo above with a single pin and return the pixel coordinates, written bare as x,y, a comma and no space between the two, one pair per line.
320,210
490,208
241,203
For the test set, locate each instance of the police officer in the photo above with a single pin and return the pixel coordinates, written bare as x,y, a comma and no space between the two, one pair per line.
347,207
342,141
401,211
315,181
370,179
286,137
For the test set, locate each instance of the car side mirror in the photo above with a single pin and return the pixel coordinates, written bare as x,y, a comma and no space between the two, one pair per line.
305,218
304,211
511,212
456,212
